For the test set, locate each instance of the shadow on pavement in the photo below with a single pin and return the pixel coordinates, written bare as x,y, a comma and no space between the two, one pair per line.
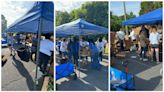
146,73
147,85
97,78
23,71
90,80
76,85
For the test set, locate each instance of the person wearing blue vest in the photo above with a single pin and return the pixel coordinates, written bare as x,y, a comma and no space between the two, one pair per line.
75,50
95,63
18,38
70,49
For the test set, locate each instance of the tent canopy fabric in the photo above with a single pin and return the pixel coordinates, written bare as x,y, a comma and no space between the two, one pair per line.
153,17
80,27
43,11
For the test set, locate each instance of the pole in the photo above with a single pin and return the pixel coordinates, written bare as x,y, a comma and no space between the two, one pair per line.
126,28
37,54
79,50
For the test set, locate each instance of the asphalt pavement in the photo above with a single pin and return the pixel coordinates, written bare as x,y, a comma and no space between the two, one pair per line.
18,75
147,74
88,79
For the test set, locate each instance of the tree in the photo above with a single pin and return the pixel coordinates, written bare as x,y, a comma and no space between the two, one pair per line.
94,12
77,13
62,17
4,23
116,21
149,6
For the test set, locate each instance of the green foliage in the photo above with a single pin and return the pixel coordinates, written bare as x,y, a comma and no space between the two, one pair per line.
51,85
94,12
116,21
4,23
149,6
62,17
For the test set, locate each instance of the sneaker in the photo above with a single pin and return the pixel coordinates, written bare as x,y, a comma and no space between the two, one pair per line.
145,59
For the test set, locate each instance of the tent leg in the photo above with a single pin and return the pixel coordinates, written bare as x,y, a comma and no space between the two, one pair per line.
79,54
37,54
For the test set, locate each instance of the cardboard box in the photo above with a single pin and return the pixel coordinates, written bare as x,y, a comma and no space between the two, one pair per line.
85,51
121,55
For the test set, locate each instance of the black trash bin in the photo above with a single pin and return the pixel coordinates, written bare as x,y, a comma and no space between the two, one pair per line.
24,54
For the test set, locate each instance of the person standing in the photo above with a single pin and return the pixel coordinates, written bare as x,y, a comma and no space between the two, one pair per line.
133,38
154,39
70,49
75,51
100,46
121,36
34,46
94,55
84,48
63,47
142,41
18,38
10,41
46,50
58,43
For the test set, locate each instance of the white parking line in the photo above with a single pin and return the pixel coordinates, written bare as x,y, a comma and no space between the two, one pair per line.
141,63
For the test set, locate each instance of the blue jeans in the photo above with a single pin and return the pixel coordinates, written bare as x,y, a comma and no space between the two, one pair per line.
64,54
143,49
75,58
70,55
43,61
100,56
95,63
121,44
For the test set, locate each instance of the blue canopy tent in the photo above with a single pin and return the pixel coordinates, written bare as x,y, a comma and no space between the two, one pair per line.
153,17
80,27
41,11
39,19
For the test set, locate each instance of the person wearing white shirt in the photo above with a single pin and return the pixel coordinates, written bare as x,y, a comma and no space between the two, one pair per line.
133,38
10,41
46,50
154,39
104,40
100,46
83,43
63,48
121,36
132,35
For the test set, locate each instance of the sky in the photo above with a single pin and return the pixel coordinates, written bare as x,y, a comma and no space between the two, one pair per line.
67,5
13,10
118,9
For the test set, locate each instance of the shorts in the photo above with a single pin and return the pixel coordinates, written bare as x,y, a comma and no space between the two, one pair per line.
154,46
134,40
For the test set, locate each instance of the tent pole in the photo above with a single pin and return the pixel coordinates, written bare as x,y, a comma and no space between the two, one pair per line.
79,52
37,54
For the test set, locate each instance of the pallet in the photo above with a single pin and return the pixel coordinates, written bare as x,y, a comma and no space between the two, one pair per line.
121,55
